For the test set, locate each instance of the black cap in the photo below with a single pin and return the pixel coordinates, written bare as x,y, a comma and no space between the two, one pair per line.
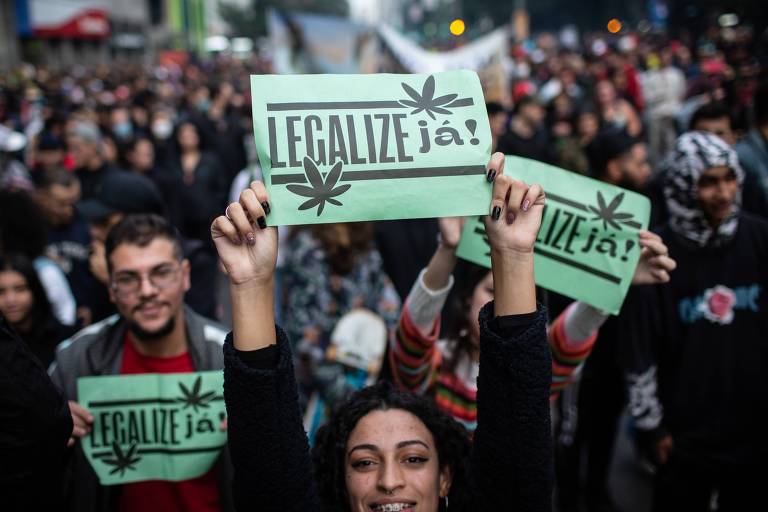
122,192
47,141
606,146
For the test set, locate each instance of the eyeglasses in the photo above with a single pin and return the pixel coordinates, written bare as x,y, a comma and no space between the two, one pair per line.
129,283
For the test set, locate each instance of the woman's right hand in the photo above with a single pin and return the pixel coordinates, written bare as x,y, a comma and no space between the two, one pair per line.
246,246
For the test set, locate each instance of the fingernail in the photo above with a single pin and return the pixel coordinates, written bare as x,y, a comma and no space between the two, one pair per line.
250,238
265,206
262,222
496,213
526,205
491,175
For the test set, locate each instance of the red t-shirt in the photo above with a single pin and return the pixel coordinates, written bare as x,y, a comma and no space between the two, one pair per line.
197,495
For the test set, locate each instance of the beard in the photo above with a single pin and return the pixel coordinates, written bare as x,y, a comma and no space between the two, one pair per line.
145,335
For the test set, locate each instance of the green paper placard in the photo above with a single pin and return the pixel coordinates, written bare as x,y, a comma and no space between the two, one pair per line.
587,246
153,426
345,148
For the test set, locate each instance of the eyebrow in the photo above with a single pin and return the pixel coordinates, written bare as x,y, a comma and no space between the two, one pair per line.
136,272
401,444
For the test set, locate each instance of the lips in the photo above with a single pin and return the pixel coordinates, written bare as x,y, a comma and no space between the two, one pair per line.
150,308
393,506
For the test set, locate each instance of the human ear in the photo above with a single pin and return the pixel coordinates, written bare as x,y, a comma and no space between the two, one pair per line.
185,272
446,479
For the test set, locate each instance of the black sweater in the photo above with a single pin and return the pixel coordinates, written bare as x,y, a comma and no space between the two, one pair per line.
703,339
512,452
35,424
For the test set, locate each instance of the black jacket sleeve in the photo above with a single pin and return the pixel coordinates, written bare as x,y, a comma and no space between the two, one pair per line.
35,425
512,457
270,453
644,332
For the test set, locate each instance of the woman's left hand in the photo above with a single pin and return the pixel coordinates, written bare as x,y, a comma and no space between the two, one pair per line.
515,215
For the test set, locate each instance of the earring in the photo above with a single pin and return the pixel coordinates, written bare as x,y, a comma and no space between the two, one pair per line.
446,503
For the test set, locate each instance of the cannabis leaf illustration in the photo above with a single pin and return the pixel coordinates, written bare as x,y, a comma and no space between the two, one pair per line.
608,213
425,100
122,461
320,191
193,398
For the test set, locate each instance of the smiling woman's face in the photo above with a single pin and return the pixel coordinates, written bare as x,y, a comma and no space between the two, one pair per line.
392,465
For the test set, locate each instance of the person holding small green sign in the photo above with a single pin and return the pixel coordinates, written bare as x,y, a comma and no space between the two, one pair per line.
385,450
145,443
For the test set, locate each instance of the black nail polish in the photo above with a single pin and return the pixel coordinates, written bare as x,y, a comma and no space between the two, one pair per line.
265,206
496,213
491,175
262,223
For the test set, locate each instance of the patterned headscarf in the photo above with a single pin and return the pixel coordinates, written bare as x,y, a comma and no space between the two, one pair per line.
694,153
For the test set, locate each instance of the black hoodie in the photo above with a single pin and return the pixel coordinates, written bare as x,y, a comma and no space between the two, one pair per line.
702,339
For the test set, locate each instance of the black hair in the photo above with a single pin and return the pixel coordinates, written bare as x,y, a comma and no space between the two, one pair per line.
526,101
45,179
130,146
22,225
202,142
493,108
609,144
709,112
457,322
329,453
141,229
41,314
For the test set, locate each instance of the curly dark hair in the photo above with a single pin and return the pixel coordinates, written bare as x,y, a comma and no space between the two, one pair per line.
329,453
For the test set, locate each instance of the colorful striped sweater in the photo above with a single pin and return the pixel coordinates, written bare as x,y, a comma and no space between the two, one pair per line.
416,355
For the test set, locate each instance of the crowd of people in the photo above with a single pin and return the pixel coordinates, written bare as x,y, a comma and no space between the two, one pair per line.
129,196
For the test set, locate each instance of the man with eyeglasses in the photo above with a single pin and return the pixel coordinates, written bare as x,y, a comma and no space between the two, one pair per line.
153,332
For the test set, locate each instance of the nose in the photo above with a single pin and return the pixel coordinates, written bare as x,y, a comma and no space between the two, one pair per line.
147,289
390,477
722,190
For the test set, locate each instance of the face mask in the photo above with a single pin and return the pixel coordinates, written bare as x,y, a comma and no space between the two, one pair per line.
162,129
203,105
123,129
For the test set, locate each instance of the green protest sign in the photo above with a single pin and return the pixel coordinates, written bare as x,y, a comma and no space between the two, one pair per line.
587,246
344,148
153,426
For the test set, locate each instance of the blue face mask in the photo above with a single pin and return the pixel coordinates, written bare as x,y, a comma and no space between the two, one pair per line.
123,130
203,105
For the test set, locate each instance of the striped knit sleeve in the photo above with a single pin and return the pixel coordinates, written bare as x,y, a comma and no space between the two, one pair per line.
571,338
414,356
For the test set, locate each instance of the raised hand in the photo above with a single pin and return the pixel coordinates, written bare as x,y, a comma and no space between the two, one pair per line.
515,213
246,246
654,264
450,231
512,227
